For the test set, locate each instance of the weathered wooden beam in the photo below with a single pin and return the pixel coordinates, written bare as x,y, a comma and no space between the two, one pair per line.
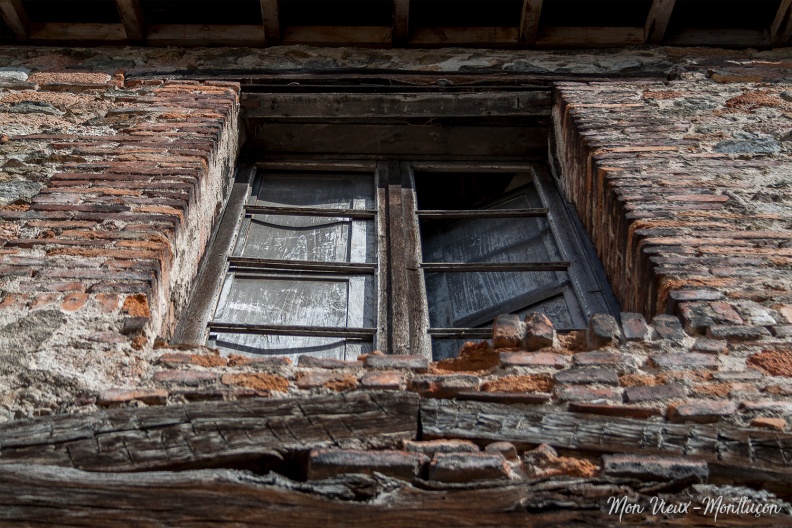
465,36
781,29
728,449
401,21
727,38
15,17
529,21
344,105
210,434
205,35
270,18
460,141
657,21
52,33
594,37
131,14
371,36
33,495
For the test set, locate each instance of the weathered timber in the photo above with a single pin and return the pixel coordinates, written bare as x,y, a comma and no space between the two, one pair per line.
210,434
131,14
401,21
657,20
271,19
205,35
401,105
593,37
397,139
373,36
35,496
53,32
781,29
529,21
15,17
753,455
464,36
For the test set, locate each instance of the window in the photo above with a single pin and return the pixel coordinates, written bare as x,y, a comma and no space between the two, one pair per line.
338,258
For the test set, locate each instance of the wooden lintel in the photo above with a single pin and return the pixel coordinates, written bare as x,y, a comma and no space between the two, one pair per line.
205,35
344,105
529,21
464,36
593,37
401,19
781,30
374,36
84,33
726,38
15,17
131,14
270,17
657,21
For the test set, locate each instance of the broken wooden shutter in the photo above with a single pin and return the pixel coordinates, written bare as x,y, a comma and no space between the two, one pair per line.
302,275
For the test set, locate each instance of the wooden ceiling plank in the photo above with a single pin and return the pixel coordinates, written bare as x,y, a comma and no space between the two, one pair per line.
131,14
529,21
781,30
657,21
366,36
15,17
589,37
270,17
401,20
465,36
68,33
203,35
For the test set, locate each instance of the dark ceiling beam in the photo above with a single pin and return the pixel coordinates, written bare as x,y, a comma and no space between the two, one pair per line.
270,17
781,30
131,14
529,21
401,20
657,21
15,17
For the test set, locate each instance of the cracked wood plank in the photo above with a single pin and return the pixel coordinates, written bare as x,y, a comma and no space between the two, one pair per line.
744,455
33,495
199,435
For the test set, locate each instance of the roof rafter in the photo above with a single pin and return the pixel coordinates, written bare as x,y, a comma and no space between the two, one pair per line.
15,17
270,18
131,14
781,30
401,20
529,21
657,21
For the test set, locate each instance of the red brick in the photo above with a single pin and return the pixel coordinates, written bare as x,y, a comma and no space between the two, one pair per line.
387,380
328,363
185,377
681,361
701,411
654,393
467,467
603,376
257,381
532,359
576,393
110,397
336,381
539,332
413,363
443,386
775,424
74,301
432,447
508,331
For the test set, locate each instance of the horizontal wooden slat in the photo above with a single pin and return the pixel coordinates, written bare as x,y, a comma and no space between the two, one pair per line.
342,105
205,35
594,37
311,211
397,139
731,38
300,265
207,434
62,32
284,330
375,36
483,213
726,448
494,267
464,36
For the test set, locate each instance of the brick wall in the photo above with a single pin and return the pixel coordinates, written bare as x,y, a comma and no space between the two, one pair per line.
108,191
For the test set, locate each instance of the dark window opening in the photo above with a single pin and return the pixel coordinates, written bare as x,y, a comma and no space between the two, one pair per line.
204,12
585,13
722,14
336,13
465,13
